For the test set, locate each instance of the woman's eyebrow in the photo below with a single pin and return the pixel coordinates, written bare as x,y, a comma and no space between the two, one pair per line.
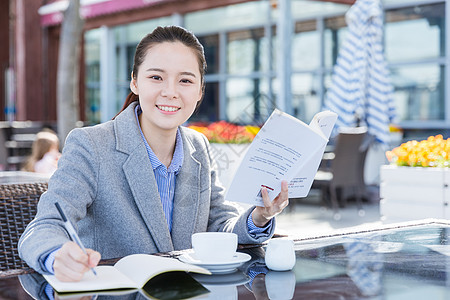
155,69
187,73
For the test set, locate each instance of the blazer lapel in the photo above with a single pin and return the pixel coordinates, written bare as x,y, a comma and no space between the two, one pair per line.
141,179
187,197
145,193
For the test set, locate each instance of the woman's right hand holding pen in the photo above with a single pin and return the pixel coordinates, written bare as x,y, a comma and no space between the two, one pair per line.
71,262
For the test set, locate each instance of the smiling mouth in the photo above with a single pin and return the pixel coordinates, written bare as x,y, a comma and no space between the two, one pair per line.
168,108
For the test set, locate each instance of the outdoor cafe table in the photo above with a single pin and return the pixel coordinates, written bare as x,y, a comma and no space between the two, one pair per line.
397,261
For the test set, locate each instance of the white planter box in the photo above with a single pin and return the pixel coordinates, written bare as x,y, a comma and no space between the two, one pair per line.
228,157
409,193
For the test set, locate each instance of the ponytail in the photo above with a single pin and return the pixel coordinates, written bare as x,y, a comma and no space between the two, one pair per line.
132,97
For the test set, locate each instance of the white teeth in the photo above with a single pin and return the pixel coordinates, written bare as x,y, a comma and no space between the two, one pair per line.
168,108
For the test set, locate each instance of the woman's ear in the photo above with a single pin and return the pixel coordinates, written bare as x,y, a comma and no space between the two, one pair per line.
133,85
202,93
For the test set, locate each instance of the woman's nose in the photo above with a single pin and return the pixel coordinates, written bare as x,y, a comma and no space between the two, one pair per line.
169,90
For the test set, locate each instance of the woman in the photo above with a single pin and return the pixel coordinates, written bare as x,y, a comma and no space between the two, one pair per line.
141,183
44,153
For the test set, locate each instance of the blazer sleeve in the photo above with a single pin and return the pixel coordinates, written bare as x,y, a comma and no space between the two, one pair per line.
74,186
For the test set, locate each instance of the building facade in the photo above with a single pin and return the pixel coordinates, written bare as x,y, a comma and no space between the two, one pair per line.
260,54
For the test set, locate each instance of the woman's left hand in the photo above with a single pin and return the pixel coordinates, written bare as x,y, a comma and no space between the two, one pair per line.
262,215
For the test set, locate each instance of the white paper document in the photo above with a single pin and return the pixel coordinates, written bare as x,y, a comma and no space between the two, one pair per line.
300,185
284,149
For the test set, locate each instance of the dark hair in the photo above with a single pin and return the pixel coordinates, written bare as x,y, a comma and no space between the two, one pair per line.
161,35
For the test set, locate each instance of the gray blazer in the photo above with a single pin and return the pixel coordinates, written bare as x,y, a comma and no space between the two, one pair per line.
106,185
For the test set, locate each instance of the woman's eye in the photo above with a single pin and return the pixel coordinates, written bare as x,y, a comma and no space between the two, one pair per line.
156,77
186,80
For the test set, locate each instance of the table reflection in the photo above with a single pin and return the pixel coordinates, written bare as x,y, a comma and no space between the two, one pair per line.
364,267
222,286
408,262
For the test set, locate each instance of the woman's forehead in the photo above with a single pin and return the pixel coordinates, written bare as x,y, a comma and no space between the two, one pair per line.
170,54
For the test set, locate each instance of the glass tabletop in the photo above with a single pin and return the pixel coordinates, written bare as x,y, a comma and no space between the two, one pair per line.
400,262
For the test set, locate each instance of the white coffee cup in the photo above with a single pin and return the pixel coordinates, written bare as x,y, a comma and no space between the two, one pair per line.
280,254
214,246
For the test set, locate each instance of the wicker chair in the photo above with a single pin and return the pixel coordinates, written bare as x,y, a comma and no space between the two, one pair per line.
346,170
18,205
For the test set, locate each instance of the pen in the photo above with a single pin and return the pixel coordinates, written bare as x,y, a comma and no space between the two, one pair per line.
73,235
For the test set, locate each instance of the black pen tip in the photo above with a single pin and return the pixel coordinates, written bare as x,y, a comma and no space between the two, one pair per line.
63,216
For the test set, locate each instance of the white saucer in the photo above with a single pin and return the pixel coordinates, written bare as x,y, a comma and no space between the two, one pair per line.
217,267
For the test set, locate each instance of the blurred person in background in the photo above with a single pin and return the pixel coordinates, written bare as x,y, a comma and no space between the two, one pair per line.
44,154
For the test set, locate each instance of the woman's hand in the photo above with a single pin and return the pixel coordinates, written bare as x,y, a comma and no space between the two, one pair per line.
71,263
262,215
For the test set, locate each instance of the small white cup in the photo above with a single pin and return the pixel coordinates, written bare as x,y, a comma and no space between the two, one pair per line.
280,254
214,246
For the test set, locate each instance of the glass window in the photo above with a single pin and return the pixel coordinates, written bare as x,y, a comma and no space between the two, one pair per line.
124,63
223,18
247,100
208,110
419,92
92,109
269,60
334,34
245,51
124,66
92,76
305,99
397,2
306,46
92,68
134,32
327,80
308,9
211,47
267,63
408,30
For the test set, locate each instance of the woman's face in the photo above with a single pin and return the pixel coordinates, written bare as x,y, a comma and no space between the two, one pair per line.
168,85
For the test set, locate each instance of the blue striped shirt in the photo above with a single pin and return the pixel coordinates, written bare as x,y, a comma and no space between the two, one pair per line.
165,177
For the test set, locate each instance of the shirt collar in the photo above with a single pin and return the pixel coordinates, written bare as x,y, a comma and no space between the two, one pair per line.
177,159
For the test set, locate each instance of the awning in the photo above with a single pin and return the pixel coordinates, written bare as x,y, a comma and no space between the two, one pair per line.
52,14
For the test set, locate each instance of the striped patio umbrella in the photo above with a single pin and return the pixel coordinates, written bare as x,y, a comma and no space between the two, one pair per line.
360,91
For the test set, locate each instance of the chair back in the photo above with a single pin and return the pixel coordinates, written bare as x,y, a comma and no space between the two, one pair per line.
18,206
348,163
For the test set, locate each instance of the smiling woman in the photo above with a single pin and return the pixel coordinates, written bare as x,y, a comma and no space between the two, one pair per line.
142,178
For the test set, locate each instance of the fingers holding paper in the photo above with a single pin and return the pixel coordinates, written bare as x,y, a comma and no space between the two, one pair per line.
71,262
262,215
